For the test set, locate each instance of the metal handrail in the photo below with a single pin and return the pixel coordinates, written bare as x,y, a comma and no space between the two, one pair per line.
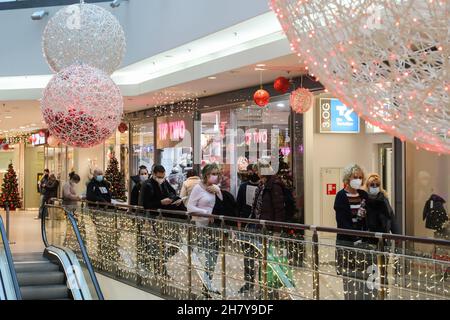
286,225
83,249
10,260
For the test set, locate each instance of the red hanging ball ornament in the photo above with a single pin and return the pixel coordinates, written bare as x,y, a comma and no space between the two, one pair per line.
5,147
281,84
301,100
261,98
42,133
123,127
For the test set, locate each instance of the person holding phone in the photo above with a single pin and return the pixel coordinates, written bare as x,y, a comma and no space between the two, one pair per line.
157,193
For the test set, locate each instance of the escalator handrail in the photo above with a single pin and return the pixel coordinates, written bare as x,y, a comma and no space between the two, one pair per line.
10,260
84,253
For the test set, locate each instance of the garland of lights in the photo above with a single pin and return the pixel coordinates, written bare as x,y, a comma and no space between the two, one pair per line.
170,103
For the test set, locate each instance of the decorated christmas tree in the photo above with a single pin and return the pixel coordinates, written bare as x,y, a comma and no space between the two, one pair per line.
10,190
116,179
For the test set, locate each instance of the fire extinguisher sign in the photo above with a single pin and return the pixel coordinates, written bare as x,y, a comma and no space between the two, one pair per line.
331,189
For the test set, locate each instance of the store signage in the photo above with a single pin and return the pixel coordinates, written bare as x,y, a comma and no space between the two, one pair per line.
256,137
331,189
38,140
336,117
175,130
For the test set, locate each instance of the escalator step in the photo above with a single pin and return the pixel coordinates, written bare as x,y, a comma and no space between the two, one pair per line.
33,256
40,278
51,292
35,266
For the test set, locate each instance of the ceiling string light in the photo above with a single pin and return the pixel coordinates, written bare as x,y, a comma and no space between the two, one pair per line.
389,60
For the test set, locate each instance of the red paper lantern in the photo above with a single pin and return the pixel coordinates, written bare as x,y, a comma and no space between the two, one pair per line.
281,84
123,127
261,98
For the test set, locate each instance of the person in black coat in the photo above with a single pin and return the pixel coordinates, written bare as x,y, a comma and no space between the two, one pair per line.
157,193
380,216
350,208
138,180
50,192
98,188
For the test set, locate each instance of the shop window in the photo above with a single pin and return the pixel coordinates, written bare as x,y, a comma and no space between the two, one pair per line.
174,147
142,146
427,182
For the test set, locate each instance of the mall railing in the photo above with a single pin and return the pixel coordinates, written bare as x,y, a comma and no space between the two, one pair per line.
9,285
165,253
57,229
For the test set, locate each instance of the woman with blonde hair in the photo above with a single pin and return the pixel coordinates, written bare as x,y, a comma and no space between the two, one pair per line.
380,216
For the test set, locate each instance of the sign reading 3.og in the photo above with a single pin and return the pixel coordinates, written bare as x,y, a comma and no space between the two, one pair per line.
336,117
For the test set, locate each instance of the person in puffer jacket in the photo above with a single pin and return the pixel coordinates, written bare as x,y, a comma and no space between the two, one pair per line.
434,213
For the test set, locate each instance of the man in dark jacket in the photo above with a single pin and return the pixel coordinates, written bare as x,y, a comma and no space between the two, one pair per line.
157,193
41,187
50,192
138,181
98,188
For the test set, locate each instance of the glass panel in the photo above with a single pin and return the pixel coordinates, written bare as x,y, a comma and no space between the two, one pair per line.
142,148
60,233
174,148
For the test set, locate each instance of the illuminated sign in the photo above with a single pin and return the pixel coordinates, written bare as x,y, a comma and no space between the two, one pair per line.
38,140
256,137
175,130
336,117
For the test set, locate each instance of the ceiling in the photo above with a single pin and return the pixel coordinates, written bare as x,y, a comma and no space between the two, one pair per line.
20,116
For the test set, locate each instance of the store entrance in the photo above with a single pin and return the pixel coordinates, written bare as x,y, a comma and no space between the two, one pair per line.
34,169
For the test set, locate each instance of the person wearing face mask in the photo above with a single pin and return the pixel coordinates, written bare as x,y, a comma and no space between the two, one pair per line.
70,196
41,187
51,191
245,200
203,200
157,193
192,180
380,216
98,188
350,208
139,180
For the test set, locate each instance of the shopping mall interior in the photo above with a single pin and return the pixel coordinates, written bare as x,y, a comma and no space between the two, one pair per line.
102,88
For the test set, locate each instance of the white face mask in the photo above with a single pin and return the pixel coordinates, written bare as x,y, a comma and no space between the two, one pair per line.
143,177
374,191
356,183
160,180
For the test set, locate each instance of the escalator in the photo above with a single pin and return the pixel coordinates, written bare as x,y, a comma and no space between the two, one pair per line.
58,273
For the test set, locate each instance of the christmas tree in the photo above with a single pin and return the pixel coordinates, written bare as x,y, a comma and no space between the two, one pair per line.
10,190
116,179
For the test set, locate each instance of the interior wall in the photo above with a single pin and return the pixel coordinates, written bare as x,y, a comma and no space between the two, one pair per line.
334,150
34,164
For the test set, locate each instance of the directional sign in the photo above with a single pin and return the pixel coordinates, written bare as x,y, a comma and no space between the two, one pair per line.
336,117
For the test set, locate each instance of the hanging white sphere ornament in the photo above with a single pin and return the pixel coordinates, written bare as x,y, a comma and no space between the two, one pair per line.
84,33
301,100
82,106
388,59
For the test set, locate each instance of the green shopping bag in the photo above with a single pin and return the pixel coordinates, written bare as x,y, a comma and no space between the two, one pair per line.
279,274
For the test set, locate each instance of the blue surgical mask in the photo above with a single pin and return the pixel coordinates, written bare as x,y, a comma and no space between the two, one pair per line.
374,191
99,178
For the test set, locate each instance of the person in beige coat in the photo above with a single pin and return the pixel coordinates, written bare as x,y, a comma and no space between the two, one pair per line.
192,180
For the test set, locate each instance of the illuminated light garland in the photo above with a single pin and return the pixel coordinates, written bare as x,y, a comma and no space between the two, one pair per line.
170,103
386,59
84,33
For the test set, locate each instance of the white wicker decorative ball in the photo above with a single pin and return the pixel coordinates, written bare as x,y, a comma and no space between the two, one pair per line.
301,100
82,106
388,59
84,33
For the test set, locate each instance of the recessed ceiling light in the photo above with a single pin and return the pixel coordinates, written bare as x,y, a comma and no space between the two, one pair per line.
212,78
260,69
261,65
8,117
280,105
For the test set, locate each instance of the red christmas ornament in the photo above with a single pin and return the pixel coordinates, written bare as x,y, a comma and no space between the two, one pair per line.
301,100
123,127
42,133
261,98
281,84
5,147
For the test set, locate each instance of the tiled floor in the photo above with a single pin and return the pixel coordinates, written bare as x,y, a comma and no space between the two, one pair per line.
25,231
